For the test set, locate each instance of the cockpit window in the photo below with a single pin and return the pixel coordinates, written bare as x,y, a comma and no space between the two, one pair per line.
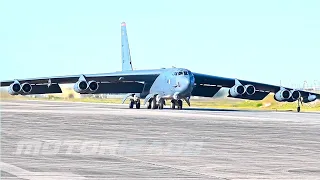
181,73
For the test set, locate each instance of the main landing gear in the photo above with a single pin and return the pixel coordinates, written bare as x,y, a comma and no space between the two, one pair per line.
175,103
134,101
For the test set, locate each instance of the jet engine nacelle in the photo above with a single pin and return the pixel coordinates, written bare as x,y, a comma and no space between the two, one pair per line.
237,90
250,89
26,88
14,88
93,86
295,95
86,87
17,88
311,98
282,95
81,86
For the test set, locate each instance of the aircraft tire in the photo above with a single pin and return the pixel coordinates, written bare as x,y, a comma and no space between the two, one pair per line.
138,105
131,104
149,104
154,104
161,103
179,104
298,109
173,105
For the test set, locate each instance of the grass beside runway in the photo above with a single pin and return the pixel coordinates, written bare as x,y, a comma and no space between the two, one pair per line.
255,105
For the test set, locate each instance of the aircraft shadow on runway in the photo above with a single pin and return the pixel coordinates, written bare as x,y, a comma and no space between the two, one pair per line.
239,110
211,109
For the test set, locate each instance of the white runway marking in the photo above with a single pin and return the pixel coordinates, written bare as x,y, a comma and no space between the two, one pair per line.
24,174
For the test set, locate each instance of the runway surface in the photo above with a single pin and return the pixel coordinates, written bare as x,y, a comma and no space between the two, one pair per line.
59,140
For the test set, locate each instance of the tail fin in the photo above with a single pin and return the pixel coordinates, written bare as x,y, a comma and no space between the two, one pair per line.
126,58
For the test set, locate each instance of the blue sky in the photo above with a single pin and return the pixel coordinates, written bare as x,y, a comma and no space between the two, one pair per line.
265,41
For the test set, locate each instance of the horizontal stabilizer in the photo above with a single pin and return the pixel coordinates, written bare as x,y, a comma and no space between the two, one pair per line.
258,95
44,89
123,87
205,91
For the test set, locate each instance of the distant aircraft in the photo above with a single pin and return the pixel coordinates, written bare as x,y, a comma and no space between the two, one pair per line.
157,85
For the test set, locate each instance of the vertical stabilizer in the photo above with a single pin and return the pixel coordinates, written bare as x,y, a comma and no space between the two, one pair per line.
126,58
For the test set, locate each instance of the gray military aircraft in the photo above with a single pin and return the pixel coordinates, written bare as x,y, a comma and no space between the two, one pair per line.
157,85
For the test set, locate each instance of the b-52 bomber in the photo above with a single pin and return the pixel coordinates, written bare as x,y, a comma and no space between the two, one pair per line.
156,86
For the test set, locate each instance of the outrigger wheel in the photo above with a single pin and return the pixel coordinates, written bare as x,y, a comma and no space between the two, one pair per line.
299,102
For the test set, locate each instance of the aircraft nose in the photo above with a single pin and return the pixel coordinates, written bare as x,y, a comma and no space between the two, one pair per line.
183,83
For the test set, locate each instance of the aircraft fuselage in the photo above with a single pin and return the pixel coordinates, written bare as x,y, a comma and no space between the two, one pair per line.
175,83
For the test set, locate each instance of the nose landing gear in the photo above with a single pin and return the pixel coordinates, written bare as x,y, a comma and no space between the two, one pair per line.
161,103
179,104
173,104
156,103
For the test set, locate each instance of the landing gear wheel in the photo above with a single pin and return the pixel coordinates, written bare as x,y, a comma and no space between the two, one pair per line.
179,104
149,105
154,104
173,104
131,104
138,105
161,104
299,102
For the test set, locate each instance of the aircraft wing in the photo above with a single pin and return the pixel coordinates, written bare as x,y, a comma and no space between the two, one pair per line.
230,82
121,76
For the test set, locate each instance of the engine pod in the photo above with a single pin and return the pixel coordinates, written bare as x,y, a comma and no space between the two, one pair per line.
282,95
237,90
80,86
250,89
14,88
93,86
26,88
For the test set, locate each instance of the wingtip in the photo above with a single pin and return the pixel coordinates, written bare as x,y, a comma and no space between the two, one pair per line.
123,24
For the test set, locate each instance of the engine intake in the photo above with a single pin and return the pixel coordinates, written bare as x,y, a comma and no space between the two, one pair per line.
93,86
282,95
26,88
250,89
14,89
80,86
295,94
237,90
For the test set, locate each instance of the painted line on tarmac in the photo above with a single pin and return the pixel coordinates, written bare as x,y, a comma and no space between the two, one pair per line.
24,174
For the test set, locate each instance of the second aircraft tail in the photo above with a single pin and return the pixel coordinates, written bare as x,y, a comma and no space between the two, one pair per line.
125,50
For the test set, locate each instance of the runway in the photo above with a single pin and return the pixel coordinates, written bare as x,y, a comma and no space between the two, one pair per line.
63,140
